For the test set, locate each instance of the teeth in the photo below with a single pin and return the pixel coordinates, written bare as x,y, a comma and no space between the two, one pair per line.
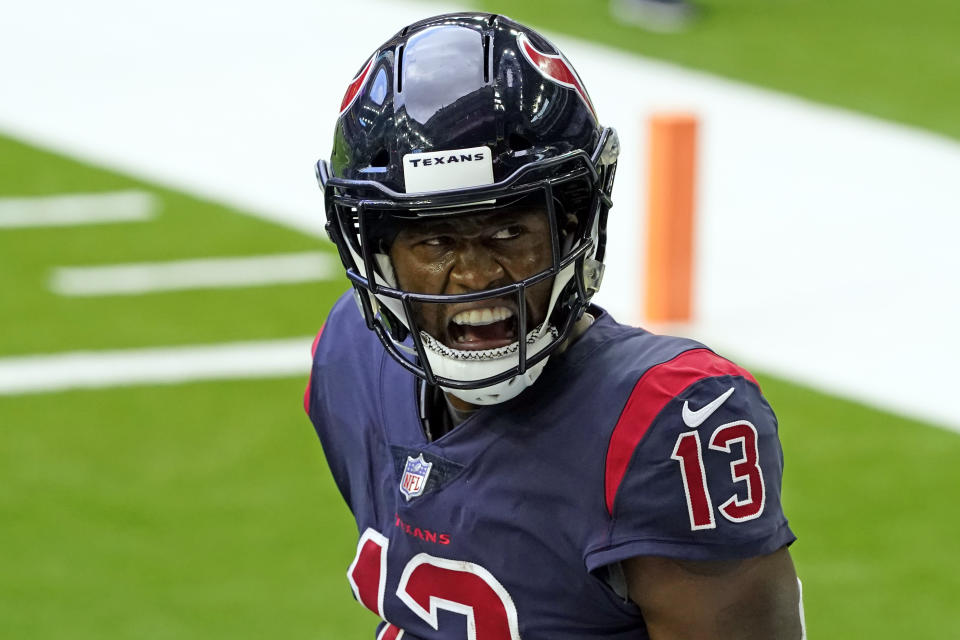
477,317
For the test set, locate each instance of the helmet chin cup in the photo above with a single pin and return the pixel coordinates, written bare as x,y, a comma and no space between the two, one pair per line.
501,391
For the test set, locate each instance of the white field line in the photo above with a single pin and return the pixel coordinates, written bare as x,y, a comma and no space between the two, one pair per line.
68,209
167,365
201,273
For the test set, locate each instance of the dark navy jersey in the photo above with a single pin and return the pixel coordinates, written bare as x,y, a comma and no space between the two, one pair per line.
629,444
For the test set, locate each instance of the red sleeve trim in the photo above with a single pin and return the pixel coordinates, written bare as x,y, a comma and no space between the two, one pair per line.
655,388
313,353
390,632
316,341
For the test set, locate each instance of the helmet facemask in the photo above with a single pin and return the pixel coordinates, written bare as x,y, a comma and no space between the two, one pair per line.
564,210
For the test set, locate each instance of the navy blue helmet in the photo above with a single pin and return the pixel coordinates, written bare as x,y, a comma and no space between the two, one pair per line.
454,115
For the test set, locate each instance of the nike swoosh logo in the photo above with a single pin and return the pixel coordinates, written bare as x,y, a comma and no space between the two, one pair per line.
694,419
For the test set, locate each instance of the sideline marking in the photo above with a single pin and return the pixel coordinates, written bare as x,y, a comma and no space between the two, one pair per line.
69,209
201,273
155,365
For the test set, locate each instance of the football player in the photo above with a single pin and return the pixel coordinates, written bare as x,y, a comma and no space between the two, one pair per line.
519,464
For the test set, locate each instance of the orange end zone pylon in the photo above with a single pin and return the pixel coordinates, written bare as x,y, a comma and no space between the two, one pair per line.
670,218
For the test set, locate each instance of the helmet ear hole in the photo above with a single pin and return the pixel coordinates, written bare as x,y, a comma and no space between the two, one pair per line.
517,142
380,159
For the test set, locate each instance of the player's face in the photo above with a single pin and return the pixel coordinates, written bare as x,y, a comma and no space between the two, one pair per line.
470,254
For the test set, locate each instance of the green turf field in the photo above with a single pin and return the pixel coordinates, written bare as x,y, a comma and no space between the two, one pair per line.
195,511
873,499
36,320
205,510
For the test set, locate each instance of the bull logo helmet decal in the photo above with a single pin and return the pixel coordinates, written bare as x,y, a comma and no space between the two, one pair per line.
353,90
554,67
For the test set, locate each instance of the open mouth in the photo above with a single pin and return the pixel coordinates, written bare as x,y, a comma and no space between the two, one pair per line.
484,328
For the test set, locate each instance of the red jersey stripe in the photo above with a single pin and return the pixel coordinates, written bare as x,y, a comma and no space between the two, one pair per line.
390,632
656,387
316,341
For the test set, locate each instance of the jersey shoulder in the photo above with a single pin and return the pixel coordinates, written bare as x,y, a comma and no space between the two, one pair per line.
693,464
347,356
622,353
342,398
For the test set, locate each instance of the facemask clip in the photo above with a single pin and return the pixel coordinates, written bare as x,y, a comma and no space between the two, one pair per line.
592,276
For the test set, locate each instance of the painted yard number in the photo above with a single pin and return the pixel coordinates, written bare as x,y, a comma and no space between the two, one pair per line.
689,454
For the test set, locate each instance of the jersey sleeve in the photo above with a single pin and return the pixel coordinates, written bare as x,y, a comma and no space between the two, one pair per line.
340,373
308,392
327,355
693,467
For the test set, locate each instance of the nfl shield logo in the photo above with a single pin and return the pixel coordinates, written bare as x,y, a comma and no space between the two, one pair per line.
415,476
